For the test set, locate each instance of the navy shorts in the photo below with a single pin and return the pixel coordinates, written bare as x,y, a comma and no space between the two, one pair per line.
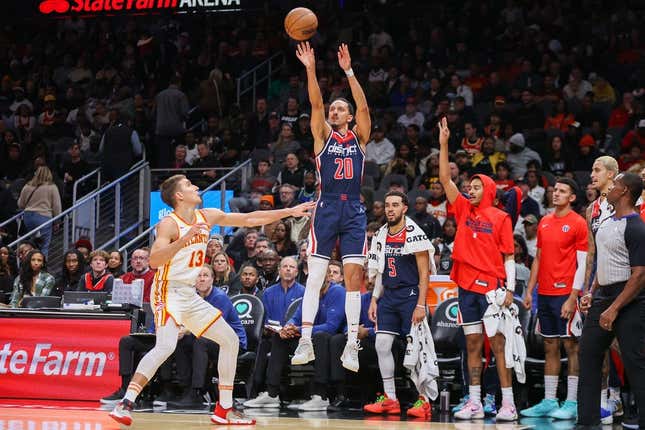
550,323
338,219
395,309
472,307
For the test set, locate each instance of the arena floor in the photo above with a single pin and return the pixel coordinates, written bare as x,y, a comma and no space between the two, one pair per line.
45,415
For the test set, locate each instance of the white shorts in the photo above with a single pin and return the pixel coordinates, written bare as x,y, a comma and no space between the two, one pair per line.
185,307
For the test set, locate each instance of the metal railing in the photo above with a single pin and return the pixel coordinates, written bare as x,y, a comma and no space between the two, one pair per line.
96,172
146,237
107,216
263,72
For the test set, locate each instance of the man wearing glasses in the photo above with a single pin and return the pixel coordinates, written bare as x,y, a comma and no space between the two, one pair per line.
140,263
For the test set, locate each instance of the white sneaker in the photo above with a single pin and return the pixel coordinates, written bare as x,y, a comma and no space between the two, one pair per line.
470,411
350,356
316,403
304,353
507,412
263,400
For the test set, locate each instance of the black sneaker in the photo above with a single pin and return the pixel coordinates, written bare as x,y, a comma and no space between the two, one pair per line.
631,422
191,399
166,396
114,397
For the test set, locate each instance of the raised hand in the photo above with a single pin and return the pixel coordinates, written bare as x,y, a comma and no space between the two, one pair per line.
305,54
196,229
444,131
344,60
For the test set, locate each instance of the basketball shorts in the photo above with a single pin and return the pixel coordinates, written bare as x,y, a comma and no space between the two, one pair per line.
343,220
395,309
185,307
550,324
472,307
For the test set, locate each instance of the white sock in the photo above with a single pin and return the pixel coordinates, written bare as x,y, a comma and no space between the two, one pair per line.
226,397
475,392
572,388
603,398
133,391
614,393
507,396
550,387
388,387
317,271
353,314
225,337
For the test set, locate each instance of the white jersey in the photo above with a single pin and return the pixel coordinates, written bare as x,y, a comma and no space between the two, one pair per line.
185,265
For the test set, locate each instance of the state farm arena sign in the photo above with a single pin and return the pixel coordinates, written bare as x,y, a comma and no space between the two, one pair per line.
66,8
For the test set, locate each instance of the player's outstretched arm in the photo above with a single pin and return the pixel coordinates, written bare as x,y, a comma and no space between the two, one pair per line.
319,127
363,120
452,192
168,242
256,218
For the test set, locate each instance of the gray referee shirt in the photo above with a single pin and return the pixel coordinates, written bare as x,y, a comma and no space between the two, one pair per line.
620,245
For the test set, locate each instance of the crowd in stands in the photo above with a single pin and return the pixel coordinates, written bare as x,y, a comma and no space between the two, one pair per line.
530,91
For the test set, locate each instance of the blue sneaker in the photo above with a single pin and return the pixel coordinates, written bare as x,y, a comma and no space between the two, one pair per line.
568,411
542,409
462,403
489,404
606,417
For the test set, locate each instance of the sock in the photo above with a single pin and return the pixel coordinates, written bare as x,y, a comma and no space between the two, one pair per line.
550,387
572,388
507,396
603,398
388,387
226,396
614,393
353,314
475,392
133,391
317,272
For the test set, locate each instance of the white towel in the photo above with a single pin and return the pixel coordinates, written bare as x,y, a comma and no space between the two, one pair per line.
421,359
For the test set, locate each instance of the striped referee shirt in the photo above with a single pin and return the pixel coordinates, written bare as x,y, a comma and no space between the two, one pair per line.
620,244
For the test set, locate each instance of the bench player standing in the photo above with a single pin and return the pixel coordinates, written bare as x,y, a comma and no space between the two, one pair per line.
483,259
559,270
340,153
178,252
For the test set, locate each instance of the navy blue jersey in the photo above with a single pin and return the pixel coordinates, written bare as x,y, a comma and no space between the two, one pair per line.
340,167
400,270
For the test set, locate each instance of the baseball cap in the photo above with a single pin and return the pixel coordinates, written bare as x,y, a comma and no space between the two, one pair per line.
268,198
461,152
304,115
530,219
587,140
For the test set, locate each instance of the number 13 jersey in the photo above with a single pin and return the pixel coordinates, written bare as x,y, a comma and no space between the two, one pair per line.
185,265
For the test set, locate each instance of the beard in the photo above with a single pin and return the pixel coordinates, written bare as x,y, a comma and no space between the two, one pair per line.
395,221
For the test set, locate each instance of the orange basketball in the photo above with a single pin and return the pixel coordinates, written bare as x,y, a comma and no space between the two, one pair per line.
301,23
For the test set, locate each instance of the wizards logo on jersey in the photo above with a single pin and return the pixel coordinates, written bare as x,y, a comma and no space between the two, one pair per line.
401,269
478,226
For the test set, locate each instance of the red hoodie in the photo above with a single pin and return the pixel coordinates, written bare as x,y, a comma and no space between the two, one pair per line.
484,233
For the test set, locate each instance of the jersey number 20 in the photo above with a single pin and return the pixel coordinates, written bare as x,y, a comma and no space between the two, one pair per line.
344,168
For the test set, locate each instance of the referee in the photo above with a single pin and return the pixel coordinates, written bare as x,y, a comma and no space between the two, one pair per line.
616,305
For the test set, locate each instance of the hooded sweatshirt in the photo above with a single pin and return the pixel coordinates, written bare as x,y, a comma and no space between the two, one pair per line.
484,233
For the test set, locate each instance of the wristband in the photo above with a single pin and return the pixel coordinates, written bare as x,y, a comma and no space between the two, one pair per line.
421,307
349,73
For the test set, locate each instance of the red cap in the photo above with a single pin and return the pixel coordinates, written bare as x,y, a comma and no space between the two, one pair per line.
587,140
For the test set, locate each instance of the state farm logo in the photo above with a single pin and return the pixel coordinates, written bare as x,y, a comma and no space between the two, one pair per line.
49,6
68,7
50,362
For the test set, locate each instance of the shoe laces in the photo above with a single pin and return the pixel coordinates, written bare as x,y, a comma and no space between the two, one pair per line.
380,398
419,403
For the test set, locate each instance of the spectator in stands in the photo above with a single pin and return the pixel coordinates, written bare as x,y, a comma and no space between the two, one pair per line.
428,223
622,114
378,213
634,137
521,254
8,272
309,189
248,252
503,176
180,158
84,246
486,161
471,143
171,107
458,88
276,300
444,246
437,202
41,202
247,282
291,111
98,278
223,272
268,262
140,263
380,149
335,273
536,191
262,244
329,321
119,148
303,132
587,153
281,239
193,354
557,159
303,269
115,264
33,279
291,173
258,125
261,183
14,164
520,155
73,169
412,114
404,162
529,117
73,268
206,161
287,196
23,249
284,145
560,118
214,245
577,87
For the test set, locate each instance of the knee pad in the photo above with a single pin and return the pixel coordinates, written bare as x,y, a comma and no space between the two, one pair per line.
383,342
473,328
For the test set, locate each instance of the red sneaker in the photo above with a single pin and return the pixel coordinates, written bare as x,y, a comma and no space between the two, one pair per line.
229,417
383,405
421,409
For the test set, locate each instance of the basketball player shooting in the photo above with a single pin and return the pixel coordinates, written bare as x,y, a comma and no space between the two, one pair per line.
178,252
339,214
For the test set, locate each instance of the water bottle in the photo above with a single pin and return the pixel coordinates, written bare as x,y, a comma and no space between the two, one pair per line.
444,401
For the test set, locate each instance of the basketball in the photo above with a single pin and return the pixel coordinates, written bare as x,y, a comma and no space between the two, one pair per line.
300,23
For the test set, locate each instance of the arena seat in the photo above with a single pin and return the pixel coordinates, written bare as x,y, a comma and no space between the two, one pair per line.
445,333
250,310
